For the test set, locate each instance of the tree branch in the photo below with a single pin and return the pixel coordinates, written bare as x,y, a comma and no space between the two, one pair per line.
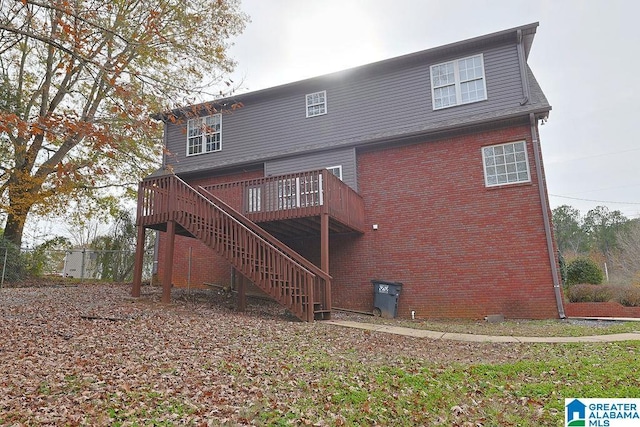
69,12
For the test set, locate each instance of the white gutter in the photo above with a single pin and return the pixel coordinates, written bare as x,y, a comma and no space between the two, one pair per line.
545,217
523,70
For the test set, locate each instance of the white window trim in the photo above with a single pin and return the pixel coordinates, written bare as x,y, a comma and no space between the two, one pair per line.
500,184
456,75
339,167
307,104
203,142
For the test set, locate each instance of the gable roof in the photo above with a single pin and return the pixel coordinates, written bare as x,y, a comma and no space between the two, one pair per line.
526,32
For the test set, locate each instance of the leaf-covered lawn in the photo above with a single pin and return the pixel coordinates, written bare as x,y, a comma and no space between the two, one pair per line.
90,355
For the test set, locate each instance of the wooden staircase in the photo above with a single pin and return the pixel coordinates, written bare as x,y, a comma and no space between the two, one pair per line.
282,273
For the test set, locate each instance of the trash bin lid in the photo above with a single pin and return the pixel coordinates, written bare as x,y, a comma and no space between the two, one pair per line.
385,282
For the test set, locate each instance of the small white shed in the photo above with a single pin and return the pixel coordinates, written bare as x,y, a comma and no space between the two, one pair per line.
81,264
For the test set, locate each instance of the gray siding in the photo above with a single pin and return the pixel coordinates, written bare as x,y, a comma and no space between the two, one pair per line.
361,106
338,157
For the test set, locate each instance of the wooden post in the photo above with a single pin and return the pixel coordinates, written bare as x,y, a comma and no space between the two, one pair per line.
168,262
324,242
139,261
242,293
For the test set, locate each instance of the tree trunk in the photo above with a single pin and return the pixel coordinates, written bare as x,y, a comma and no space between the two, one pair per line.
15,226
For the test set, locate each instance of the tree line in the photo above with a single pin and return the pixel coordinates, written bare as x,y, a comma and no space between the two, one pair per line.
605,236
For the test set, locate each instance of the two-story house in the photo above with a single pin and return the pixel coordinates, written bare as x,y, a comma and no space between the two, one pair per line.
423,169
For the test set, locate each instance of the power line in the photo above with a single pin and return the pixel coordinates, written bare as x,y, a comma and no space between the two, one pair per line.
597,201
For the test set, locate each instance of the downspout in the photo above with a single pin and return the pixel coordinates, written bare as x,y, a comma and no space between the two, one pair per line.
524,78
545,216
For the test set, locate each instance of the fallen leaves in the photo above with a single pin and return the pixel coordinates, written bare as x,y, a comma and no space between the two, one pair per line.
91,355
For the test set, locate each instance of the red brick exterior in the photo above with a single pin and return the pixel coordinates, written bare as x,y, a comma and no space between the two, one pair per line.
459,248
462,250
601,309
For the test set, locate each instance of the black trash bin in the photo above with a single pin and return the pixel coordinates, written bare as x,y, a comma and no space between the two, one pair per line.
385,298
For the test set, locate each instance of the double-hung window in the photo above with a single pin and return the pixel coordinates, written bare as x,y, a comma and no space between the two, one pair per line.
505,164
204,134
458,82
316,103
336,170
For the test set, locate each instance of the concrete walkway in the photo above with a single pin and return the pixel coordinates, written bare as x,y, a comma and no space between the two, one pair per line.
420,333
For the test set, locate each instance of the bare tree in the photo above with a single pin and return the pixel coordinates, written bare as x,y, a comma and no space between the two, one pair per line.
628,257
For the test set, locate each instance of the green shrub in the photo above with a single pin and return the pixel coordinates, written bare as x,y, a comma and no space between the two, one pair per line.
583,270
590,293
14,269
46,258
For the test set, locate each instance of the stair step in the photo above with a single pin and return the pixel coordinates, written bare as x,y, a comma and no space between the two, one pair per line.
257,261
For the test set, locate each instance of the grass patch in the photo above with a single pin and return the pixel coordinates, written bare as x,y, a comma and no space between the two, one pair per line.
528,328
524,393
145,408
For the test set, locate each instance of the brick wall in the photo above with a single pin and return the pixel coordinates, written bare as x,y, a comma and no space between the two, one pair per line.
461,249
600,309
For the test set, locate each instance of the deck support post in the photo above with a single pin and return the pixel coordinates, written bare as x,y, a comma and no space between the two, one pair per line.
139,260
324,242
168,262
242,293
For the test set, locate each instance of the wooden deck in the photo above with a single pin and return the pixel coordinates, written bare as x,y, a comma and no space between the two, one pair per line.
291,205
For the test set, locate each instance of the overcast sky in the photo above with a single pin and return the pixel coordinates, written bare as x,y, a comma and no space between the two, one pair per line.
585,57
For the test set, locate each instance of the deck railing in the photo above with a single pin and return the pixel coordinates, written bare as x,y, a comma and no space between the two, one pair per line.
271,265
294,196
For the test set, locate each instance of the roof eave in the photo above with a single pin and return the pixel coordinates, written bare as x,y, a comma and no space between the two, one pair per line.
528,31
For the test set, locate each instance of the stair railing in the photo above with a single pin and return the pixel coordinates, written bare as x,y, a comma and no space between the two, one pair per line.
274,267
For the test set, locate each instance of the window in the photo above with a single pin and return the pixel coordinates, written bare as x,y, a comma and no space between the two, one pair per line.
309,188
336,170
317,104
505,164
458,82
204,134
287,194
254,201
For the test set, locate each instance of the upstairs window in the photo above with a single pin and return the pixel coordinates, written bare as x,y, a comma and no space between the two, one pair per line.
458,82
505,164
204,134
336,170
316,103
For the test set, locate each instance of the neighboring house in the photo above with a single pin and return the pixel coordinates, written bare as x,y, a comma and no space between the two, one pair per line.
423,169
